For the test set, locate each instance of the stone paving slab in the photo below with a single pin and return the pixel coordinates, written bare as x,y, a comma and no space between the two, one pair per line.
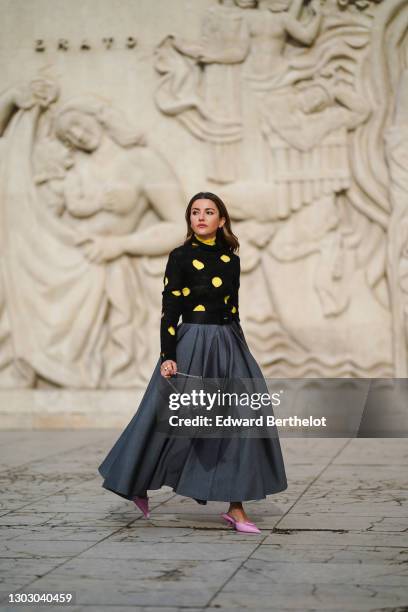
336,539
297,553
316,538
44,444
170,583
267,569
41,549
68,519
374,451
335,521
207,551
338,504
307,451
309,596
45,532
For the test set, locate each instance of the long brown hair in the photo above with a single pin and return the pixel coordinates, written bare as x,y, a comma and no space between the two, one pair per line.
224,234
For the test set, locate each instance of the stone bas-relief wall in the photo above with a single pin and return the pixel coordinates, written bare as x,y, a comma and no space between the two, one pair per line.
113,114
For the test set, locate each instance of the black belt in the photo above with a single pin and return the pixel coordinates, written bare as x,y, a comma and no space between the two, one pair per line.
201,316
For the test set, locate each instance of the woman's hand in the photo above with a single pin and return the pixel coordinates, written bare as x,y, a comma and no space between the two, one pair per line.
168,368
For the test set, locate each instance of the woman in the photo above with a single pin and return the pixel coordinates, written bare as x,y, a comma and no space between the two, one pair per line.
201,283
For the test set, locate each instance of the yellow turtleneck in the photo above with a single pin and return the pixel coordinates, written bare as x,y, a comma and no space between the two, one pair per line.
205,240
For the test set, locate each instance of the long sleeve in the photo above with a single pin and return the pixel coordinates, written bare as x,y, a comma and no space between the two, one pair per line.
234,302
171,306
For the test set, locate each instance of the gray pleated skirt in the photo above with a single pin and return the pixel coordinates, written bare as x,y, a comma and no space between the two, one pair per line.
205,469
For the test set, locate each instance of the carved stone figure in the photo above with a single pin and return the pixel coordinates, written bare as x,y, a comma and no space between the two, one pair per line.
286,109
201,84
306,128
16,103
308,124
269,28
76,231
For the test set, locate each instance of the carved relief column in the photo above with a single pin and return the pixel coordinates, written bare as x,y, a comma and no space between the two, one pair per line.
396,138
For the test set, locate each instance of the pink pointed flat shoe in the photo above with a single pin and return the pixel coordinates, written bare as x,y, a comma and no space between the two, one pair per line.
245,526
230,519
143,504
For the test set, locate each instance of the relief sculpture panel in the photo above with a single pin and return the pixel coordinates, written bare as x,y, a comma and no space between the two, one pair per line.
312,196
77,180
294,112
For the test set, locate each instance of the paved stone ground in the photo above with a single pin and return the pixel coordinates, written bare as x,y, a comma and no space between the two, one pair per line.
336,539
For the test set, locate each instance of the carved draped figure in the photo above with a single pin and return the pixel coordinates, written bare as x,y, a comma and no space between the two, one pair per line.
57,300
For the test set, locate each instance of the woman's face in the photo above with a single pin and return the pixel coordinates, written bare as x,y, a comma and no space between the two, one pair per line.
205,218
82,131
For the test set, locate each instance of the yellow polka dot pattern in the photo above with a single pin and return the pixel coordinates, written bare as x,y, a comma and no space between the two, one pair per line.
203,277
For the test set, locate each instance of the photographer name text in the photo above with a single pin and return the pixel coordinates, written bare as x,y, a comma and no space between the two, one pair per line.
260,421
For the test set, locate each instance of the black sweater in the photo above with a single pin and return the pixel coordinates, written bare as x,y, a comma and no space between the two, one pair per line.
199,277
